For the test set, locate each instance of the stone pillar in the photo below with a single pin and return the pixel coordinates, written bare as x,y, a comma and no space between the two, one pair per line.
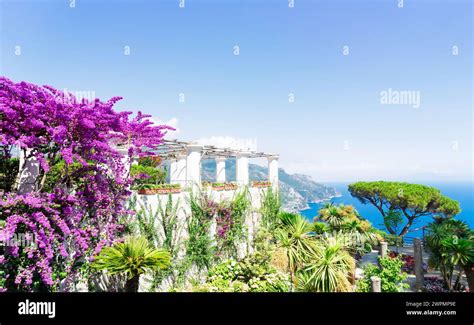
418,257
273,171
178,170
376,284
193,165
220,169
29,173
383,249
242,168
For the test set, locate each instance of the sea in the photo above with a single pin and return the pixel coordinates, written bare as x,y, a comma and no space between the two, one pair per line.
463,192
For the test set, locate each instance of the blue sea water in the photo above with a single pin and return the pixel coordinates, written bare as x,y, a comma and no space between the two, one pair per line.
461,192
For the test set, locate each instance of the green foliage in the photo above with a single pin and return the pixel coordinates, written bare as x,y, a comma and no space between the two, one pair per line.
390,273
412,200
240,207
345,221
314,264
393,219
62,173
392,240
168,216
252,274
199,248
8,171
337,215
149,161
327,268
458,251
451,243
133,257
294,237
320,228
270,208
155,175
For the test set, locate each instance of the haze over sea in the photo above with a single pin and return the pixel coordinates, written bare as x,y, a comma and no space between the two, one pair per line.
463,192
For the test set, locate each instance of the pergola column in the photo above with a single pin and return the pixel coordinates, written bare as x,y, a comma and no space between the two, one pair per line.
242,168
273,170
178,170
220,169
193,164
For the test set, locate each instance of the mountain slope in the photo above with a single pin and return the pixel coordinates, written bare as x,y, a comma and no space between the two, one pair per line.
296,190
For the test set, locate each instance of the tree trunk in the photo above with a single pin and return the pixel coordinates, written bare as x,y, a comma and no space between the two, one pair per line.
469,270
457,283
406,228
132,284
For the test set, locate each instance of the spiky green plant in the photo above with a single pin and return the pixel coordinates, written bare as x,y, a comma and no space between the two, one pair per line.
294,237
336,215
327,269
132,257
320,228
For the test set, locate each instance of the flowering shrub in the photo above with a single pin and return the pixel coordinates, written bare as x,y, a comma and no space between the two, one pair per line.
249,275
224,221
71,218
436,284
408,262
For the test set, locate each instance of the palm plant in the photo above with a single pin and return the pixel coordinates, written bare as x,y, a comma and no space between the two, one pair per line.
294,237
459,252
451,244
327,269
132,257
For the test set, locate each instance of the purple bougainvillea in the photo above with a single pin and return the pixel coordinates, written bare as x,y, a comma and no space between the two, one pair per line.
224,221
72,222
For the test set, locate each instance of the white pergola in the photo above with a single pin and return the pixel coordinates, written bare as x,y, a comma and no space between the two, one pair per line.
185,161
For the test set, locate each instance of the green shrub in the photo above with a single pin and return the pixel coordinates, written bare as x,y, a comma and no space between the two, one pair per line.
253,274
155,175
271,205
57,175
199,245
8,171
320,227
389,272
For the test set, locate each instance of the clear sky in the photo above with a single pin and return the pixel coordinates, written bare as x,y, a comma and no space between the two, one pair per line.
338,128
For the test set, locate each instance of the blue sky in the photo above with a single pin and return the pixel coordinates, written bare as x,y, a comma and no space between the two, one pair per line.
336,129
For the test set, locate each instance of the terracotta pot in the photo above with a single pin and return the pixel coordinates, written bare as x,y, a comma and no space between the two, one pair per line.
151,191
260,185
146,191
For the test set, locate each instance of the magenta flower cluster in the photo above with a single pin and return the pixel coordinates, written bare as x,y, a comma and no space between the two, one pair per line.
224,221
81,215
